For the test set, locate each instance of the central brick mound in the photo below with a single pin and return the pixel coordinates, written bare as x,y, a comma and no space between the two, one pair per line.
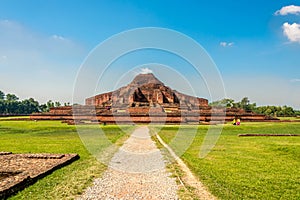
18,171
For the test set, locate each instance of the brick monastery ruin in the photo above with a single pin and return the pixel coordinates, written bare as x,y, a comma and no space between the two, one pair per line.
145,100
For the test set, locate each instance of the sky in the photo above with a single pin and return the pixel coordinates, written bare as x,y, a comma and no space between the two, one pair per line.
254,45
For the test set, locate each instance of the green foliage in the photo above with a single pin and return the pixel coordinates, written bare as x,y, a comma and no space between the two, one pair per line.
67,104
2,107
228,103
246,167
46,107
11,105
11,97
57,104
276,111
2,95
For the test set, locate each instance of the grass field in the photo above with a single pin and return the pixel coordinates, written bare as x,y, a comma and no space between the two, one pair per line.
13,117
247,167
237,168
289,118
55,137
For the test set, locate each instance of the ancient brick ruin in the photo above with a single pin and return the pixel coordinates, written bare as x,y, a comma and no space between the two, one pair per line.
145,100
18,171
145,90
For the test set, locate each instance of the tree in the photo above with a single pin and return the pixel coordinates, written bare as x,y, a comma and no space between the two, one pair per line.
228,103
2,107
276,111
57,104
29,106
2,95
11,97
288,111
11,105
67,104
245,103
43,108
50,104
268,111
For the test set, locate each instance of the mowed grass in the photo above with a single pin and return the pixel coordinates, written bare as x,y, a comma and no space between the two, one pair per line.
289,118
55,137
246,167
13,117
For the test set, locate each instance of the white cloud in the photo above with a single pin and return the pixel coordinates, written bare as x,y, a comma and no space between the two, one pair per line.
295,80
58,37
292,9
8,23
292,31
146,71
223,44
226,44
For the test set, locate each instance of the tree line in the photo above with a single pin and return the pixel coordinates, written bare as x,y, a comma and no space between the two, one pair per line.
10,104
275,111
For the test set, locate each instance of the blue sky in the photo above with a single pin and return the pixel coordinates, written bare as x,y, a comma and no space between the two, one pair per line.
255,44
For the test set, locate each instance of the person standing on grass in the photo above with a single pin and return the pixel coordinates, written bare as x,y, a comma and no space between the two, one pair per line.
233,121
238,121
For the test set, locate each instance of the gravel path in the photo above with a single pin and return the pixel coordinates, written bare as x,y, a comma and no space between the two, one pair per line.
136,171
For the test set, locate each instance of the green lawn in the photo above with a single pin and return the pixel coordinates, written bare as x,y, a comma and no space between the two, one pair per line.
289,118
237,168
246,167
55,137
13,117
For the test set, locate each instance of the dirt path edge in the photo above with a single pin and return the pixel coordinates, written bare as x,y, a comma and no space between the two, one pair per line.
189,179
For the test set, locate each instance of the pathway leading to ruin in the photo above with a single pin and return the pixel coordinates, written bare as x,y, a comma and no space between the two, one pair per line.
136,171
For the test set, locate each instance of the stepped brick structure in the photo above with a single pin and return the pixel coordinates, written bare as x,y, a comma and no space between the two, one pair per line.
146,99
145,90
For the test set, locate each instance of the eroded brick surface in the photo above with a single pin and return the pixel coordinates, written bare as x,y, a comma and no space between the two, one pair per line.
20,170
